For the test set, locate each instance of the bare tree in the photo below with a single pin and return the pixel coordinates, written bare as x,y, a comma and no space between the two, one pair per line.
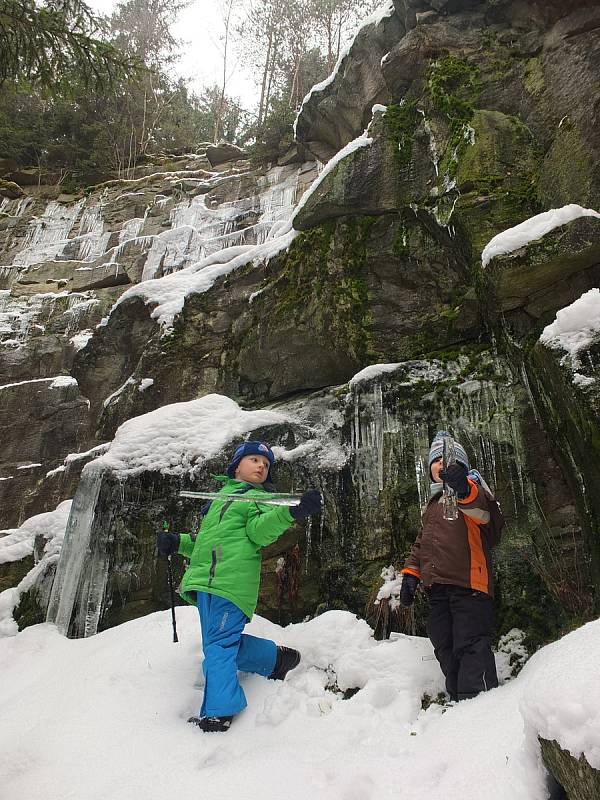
280,39
227,16
263,34
334,22
143,28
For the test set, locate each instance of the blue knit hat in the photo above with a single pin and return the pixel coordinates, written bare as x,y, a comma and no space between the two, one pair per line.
437,450
251,449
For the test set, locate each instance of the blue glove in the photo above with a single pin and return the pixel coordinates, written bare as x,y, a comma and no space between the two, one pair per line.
455,475
408,589
310,503
167,544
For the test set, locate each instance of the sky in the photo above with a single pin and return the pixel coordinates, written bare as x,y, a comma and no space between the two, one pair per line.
199,27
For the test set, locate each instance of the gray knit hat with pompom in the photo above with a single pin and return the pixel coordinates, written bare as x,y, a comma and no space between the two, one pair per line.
437,450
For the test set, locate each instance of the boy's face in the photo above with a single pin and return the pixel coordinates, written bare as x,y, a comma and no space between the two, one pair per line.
436,468
252,469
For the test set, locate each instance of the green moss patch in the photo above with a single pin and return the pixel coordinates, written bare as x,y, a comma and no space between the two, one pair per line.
453,86
400,122
322,282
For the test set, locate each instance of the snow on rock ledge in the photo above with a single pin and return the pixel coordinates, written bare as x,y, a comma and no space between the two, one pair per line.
562,702
576,327
18,543
532,229
176,438
372,371
167,294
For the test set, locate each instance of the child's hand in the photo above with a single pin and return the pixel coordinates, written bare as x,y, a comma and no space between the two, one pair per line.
455,475
408,589
310,504
167,544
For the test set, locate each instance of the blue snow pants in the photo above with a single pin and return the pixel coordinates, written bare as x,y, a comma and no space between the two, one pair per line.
227,650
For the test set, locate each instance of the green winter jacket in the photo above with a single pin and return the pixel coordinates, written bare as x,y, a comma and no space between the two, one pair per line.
225,555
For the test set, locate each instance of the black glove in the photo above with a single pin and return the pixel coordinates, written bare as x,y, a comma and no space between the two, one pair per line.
455,475
167,544
310,503
408,589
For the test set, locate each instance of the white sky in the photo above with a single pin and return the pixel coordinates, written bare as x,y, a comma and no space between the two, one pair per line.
200,26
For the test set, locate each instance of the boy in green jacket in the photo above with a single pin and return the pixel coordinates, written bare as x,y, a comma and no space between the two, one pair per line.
223,578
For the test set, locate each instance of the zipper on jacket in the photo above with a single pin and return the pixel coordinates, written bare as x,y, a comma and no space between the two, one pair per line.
216,555
213,566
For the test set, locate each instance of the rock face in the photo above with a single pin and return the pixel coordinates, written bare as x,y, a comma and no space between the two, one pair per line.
357,186
338,110
574,775
223,152
534,281
64,264
189,280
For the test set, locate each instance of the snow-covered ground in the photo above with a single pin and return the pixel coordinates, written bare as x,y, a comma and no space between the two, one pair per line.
105,717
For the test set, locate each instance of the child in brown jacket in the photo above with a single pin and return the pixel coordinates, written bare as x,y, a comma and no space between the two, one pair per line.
452,559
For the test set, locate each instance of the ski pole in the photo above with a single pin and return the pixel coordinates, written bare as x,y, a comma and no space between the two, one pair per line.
171,592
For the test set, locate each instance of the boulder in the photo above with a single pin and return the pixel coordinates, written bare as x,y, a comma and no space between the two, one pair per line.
579,780
363,182
11,190
338,110
223,152
549,273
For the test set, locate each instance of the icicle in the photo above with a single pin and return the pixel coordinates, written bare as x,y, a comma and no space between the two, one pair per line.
47,235
92,239
75,550
308,540
527,385
379,430
321,526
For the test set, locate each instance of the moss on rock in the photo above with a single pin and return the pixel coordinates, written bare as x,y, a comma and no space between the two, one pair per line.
30,611
400,122
567,170
321,284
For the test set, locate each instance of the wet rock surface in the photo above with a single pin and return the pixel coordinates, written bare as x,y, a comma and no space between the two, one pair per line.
575,776
490,118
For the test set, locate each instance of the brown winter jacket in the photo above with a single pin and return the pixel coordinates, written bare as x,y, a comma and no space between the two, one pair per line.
456,552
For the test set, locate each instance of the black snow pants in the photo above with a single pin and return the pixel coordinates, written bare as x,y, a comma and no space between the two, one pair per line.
460,628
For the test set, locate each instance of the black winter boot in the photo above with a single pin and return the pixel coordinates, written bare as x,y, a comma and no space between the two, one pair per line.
287,659
212,724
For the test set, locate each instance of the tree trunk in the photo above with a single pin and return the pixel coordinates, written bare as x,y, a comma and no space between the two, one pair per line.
221,105
261,105
270,83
